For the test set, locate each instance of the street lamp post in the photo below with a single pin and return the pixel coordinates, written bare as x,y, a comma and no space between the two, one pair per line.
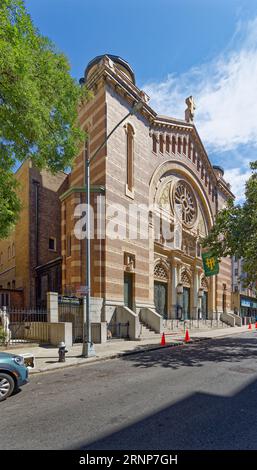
88,349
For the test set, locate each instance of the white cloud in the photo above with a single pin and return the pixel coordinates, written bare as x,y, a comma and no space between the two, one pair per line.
237,178
225,92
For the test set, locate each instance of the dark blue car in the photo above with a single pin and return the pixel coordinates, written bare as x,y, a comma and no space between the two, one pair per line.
13,374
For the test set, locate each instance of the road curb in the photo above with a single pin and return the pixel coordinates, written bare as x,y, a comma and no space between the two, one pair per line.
129,353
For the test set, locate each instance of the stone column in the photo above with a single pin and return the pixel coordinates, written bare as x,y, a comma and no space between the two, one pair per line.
197,301
174,282
179,296
52,307
211,298
151,262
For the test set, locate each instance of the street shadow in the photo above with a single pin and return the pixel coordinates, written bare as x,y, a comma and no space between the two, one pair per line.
232,349
201,421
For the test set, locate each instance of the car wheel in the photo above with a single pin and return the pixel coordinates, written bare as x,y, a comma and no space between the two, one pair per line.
6,386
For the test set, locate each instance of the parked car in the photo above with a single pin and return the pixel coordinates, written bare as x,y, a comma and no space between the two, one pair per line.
13,374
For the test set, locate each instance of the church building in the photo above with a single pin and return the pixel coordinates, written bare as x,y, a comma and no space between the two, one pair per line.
150,161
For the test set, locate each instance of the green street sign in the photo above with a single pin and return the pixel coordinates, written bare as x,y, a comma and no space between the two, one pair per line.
210,264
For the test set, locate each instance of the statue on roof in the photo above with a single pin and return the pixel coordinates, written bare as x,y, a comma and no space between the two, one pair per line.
190,111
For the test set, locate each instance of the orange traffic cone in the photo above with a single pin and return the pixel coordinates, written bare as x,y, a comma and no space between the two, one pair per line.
163,342
187,337
250,326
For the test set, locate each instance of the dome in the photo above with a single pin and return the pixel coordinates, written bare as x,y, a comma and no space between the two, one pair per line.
119,62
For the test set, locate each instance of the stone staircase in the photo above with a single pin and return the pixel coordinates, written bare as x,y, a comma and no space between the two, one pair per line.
146,332
176,328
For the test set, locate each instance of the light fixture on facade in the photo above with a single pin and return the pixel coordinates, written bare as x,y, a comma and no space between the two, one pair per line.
180,288
200,292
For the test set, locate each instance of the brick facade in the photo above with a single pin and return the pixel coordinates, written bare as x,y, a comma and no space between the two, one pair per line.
40,220
167,151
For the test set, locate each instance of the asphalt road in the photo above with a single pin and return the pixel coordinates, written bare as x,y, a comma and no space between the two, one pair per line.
201,396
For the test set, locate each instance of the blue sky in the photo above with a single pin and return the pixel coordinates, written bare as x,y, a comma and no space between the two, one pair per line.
207,48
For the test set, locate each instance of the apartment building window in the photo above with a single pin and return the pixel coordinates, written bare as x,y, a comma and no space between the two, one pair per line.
52,244
13,250
236,272
4,300
1,258
9,252
13,284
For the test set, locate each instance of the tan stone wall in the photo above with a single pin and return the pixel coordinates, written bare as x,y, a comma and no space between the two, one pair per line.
17,268
185,159
93,120
224,278
21,267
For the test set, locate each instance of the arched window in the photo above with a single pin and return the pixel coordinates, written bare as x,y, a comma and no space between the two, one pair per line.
168,143
179,145
184,146
189,150
154,143
161,143
160,272
130,157
173,145
186,278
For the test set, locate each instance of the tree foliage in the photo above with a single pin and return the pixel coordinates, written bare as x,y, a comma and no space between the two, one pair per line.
38,104
235,230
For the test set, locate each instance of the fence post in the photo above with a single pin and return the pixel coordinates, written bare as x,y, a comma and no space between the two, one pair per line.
6,321
52,307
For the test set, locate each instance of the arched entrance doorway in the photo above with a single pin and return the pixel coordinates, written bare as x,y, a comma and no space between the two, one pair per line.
186,300
161,290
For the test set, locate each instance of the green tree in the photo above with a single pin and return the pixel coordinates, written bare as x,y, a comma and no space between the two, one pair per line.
235,230
39,103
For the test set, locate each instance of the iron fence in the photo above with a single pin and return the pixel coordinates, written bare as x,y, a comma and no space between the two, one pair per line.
72,311
117,330
17,324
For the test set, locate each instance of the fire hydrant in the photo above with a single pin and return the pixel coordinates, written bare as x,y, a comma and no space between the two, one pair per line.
61,351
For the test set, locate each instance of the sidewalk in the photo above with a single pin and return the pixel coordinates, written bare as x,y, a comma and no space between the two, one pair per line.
46,357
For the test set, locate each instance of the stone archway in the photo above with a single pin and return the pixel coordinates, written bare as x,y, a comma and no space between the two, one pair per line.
161,278
186,281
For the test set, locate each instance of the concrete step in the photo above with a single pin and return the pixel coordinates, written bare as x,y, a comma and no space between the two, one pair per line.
146,332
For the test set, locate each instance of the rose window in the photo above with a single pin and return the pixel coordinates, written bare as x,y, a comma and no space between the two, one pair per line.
185,203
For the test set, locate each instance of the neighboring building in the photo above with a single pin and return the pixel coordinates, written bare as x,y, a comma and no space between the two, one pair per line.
11,297
30,259
244,299
150,159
